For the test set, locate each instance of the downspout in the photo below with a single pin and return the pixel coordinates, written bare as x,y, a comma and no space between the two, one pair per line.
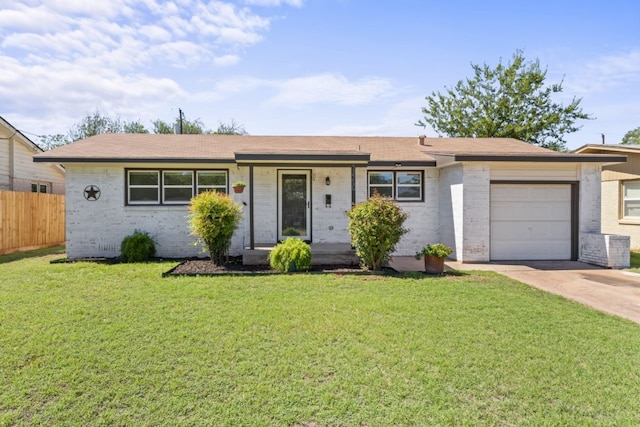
12,161
252,243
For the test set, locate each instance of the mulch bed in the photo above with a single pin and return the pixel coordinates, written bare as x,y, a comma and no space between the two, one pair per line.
204,267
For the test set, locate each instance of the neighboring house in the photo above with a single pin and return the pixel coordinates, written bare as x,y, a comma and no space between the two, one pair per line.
489,199
18,172
620,190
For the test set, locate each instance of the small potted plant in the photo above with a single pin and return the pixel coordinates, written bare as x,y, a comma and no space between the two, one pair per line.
238,186
434,255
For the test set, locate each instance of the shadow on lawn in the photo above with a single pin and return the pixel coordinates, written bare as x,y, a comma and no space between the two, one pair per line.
16,256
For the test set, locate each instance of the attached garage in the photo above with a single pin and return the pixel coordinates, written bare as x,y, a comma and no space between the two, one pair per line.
532,221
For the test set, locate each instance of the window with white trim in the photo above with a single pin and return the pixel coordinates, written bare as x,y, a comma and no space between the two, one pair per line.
172,187
143,187
398,185
37,187
631,199
177,187
211,181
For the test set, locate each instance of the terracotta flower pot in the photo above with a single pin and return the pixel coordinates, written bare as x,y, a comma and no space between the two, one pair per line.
433,264
238,189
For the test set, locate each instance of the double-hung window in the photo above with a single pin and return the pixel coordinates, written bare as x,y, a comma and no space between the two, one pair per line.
172,187
631,199
177,187
143,187
211,181
398,185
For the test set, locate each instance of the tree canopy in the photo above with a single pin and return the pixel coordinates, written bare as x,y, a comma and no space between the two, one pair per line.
509,100
96,123
632,137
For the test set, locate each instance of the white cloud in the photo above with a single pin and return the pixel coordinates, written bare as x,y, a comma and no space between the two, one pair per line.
226,60
604,73
73,56
329,89
273,3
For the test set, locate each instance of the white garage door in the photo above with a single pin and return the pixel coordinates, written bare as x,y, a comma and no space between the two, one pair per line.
530,221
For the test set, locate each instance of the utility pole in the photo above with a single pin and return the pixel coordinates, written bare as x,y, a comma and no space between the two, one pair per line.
181,115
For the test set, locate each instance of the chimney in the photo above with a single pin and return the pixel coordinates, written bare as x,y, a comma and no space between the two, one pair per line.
421,140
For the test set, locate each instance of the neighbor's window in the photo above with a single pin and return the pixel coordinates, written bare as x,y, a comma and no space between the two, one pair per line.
399,185
212,181
144,187
631,196
172,187
39,188
177,186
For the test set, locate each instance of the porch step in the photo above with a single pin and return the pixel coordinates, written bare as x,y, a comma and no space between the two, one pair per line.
321,254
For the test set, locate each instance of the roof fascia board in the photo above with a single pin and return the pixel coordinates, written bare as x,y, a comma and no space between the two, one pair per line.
130,160
283,157
569,158
403,163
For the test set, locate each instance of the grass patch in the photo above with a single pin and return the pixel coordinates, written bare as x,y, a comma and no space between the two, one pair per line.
95,344
635,261
15,256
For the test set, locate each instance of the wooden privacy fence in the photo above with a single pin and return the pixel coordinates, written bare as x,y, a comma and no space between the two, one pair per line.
30,221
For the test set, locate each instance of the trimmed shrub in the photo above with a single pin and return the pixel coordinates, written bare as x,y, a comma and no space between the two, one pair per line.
137,247
213,219
376,227
290,255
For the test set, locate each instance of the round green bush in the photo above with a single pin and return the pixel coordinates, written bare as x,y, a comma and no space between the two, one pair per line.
376,226
291,255
214,217
137,247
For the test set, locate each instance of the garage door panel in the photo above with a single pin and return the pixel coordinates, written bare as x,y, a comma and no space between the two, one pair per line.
553,211
535,250
530,221
514,231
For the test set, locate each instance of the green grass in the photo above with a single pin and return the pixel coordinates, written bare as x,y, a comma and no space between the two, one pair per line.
96,344
15,256
635,261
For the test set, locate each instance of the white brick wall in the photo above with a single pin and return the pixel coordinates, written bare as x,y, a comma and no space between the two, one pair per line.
589,198
96,228
476,213
605,250
451,208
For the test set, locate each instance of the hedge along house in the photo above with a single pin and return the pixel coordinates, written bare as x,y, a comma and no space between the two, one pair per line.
489,199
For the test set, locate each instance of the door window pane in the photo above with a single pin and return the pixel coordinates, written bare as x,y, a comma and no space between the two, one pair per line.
294,205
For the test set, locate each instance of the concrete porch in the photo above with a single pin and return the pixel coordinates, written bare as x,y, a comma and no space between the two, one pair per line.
321,254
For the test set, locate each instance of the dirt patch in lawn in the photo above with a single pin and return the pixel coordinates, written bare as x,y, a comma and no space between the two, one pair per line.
200,267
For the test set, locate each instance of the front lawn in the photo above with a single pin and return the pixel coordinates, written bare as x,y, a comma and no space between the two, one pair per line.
95,344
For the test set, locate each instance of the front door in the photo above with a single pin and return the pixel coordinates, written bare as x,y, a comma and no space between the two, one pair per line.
294,204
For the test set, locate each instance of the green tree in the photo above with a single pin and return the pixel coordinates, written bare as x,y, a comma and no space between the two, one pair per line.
195,126
48,142
134,127
376,226
94,124
232,128
510,101
213,219
632,137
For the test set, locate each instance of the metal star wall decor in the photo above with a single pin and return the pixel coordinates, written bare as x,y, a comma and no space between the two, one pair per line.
91,193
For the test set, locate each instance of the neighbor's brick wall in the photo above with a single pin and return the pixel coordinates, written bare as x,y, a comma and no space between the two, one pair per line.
605,250
611,221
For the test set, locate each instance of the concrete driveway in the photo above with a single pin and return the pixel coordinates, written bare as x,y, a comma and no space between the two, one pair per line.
613,291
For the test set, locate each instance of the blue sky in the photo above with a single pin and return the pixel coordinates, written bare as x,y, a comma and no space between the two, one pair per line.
321,67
